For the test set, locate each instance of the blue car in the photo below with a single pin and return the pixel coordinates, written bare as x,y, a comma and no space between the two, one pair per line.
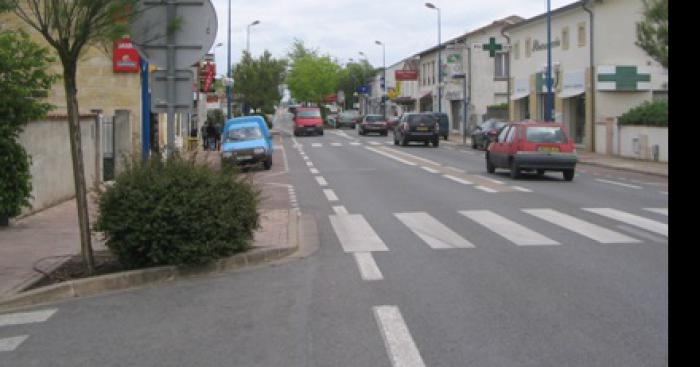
246,141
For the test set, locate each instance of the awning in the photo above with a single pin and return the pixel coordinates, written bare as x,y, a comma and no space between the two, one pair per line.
404,100
516,96
573,84
427,95
568,93
521,89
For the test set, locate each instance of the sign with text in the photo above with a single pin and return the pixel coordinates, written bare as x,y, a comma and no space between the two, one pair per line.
406,74
125,58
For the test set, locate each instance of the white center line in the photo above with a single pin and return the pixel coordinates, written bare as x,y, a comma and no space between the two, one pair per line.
391,156
330,195
316,145
397,339
492,180
354,143
10,344
485,189
520,188
429,169
369,271
428,161
619,184
313,170
339,210
321,181
457,179
309,164
336,144
374,143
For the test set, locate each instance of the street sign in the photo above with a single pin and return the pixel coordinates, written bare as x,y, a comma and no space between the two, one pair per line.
363,89
183,91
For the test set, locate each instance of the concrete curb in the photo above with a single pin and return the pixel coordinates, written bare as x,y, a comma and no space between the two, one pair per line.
629,169
143,277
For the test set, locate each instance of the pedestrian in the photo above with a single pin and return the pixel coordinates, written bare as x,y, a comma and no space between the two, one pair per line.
211,136
204,136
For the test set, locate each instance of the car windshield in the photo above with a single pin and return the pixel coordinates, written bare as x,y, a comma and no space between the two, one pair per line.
424,119
545,134
244,133
374,118
349,114
309,113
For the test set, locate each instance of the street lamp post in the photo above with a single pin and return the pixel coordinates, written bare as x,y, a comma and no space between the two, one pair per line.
247,44
383,76
431,6
228,65
548,98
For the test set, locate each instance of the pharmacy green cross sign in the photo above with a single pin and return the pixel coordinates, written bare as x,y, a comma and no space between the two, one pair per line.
492,46
623,78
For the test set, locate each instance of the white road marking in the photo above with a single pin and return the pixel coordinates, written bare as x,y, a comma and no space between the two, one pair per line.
305,158
508,229
313,170
429,169
397,339
355,234
330,195
640,233
391,156
520,188
10,344
619,184
663,192
428,161
26,317
430,230
339,210
309,164
321,181
454,169
492,180
485,189
369,270
336,144
317,145
631,219
374,143
389,142
586,229
457,179
662,211
354,143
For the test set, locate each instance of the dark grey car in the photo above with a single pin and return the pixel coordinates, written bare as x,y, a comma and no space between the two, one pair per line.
486,133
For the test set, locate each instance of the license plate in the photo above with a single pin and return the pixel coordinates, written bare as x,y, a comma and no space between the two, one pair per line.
548,149
422,128
244,157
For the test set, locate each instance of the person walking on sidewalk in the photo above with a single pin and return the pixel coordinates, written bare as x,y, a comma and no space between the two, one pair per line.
211,136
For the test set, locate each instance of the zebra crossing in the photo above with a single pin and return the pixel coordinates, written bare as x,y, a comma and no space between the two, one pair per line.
356,234
11,343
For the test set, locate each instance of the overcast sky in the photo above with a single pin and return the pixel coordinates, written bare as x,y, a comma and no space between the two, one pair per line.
343,28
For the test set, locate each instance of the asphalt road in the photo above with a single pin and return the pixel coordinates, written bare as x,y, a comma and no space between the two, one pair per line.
424,260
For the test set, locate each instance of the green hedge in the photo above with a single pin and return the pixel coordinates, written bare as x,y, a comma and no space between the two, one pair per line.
502,106
649,113
15,178
177,213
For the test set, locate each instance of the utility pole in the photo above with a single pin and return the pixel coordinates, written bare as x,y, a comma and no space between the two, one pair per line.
431,6
548,98
228,65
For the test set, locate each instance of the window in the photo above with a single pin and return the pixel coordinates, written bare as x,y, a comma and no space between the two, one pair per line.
432,73
516,50
244,133
528,47
501,69
565,38
504,132
545,134
581,34
511,134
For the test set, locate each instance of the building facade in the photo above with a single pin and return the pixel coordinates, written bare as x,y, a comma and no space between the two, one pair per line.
598,72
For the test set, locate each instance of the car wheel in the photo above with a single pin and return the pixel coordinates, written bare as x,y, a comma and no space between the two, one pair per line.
385,133
473,144
568,174
540,172
268,163
445,136
396,141
490,168
426,143
514,170
436,142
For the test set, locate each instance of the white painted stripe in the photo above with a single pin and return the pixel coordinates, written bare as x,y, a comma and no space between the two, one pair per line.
391,156
321,181
619,184
26,317
430,230
663,192
520,188
313,170
454,169
408,155
373,143
10,344
316,145
492,180
355,234
457,179
429,169
305,158
340,210
640,233
662,211
508,229
354,143
330,195
337,144
389,142
369,270
486,189
309,164
631,219
397,339
586,229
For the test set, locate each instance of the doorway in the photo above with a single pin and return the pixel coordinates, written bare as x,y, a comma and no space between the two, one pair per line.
575,114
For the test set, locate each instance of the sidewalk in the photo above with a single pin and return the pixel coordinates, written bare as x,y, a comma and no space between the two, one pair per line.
600,160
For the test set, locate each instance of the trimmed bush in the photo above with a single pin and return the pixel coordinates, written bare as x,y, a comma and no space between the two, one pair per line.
177,213
649,113
15,178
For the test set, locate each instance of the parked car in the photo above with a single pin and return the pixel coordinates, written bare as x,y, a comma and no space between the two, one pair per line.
444,123
533,146
307,121
417,127
373,124
247,141
486,133
348,118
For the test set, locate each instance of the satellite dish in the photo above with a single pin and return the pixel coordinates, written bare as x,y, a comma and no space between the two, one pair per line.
194,35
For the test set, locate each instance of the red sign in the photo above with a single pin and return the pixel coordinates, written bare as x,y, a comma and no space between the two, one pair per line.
125,57
406,74
211,70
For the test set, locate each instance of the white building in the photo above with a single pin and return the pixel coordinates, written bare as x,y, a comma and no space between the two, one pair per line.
598,71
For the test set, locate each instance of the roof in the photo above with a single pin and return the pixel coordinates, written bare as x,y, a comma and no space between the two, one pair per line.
554,12
506,22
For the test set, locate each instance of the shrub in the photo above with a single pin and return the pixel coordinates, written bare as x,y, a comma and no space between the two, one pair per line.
15,179
501,106
649,113
268,121
177,213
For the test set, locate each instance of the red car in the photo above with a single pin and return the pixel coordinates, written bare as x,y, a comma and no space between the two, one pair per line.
533,146
308,121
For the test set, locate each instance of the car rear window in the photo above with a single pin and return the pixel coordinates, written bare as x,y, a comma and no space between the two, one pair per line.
375,118
425,119
309,113
243,133
545,134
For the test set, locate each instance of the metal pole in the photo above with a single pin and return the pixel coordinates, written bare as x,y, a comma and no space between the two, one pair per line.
145,113
439,62
247,39
171,15
384,77
228,65
548,97
468,98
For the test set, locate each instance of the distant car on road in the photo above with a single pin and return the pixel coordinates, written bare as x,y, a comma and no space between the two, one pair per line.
373,124
533,146
307,121
486,133
247,141
417,127
348,118
444,123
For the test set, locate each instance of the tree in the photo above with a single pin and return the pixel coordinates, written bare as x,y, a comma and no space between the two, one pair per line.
312,78
299,50
353,76
258,80
70,27
23,78
652,31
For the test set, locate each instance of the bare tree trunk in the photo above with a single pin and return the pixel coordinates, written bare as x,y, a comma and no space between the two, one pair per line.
69,82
